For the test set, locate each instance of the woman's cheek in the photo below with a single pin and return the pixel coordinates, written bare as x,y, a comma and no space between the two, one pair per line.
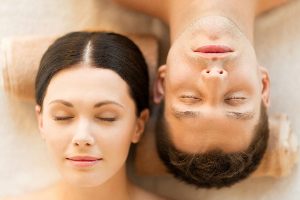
117,141
58,139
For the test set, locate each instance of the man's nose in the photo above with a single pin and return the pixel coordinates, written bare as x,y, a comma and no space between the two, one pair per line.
83,135
215,81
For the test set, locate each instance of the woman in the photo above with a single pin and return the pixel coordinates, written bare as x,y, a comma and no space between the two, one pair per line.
92,102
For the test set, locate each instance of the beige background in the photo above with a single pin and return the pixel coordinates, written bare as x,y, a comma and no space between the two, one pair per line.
24,163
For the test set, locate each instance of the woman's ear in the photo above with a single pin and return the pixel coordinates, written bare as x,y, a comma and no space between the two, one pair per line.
40,120
141,122
265,89
158,90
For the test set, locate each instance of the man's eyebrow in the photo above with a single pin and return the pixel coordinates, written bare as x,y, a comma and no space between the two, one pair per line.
193,114
68,104
184,114
97,105
240,115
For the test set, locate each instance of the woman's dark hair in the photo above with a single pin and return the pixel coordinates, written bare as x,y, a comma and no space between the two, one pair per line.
214,168
101,50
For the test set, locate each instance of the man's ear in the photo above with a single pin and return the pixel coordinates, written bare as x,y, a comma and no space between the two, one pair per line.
40,120
158,90
141,122
265,89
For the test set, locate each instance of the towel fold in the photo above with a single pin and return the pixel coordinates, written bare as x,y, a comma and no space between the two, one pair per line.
20,59
21,55
281,154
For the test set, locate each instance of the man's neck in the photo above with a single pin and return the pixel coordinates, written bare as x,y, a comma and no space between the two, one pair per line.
183,13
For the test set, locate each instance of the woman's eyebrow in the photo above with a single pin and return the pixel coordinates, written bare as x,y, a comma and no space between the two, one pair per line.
68,104
102,103
97,105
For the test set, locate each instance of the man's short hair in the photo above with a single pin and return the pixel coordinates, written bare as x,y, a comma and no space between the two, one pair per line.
213,168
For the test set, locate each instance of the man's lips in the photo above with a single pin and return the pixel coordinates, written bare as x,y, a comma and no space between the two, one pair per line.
213,51
83,161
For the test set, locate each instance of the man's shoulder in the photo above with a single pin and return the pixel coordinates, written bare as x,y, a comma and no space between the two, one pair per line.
140,193
156,8
265,5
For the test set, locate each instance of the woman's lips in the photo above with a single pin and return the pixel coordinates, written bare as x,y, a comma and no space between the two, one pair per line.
83,161
213,51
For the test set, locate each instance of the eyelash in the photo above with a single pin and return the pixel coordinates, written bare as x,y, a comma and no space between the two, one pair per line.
67,118
227,99
62,118
107,119
232,98
190,97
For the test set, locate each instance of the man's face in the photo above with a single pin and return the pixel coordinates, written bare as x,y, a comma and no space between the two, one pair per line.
212,87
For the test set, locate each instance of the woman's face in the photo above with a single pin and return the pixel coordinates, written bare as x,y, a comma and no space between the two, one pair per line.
88,121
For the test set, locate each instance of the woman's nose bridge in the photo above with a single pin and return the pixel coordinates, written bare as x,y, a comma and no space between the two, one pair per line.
83,134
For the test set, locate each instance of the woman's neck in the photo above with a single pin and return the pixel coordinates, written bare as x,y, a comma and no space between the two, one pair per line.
117,187
182,13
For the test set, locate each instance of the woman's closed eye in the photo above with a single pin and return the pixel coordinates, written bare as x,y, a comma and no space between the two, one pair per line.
62,118
106,119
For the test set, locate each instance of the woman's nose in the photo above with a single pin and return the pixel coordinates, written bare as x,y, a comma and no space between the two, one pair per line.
83,136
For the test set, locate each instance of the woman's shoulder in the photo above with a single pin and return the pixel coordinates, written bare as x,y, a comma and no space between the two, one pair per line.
10,198
45,194
23,197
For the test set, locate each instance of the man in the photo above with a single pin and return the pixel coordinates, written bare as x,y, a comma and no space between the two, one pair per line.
212,128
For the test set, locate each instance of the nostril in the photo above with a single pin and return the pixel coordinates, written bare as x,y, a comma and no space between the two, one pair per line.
221,72
207,71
